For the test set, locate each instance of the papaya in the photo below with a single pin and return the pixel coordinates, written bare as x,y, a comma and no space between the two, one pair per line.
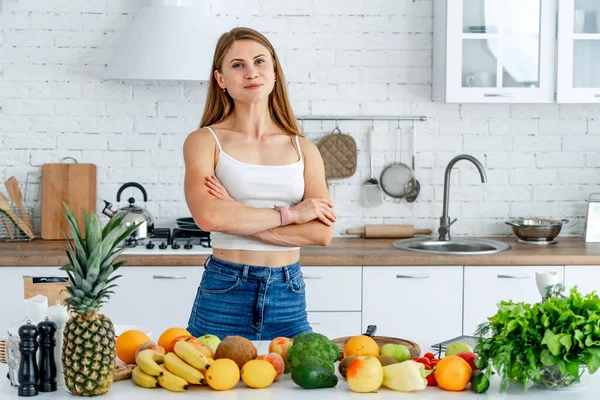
310,375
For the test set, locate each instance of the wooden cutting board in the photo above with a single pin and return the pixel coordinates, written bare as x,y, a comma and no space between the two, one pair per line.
75,184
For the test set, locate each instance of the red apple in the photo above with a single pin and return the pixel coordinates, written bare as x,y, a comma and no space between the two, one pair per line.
469,357
277,362
150,345
281,345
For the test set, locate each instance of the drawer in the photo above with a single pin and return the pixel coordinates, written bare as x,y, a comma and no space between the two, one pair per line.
335,324
333,288
155,297
486,286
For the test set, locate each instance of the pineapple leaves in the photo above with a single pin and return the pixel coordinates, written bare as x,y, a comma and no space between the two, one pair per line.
93,231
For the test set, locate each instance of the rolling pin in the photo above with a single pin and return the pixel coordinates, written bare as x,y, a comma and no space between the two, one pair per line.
387,231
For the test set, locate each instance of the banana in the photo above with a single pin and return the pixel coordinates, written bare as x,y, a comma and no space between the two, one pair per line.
191,355
148,360
172,382
143,379
182,369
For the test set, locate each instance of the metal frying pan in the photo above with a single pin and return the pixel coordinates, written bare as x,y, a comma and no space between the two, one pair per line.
188,226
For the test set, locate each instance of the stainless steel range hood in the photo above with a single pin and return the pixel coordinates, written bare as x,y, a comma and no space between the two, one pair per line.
167,40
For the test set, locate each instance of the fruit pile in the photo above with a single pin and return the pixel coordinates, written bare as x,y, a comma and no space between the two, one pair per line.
366,368
179,360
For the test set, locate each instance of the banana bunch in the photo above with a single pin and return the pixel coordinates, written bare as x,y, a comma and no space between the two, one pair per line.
173,371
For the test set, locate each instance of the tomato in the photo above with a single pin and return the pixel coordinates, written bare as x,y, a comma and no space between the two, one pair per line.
431,377
430,356
422,360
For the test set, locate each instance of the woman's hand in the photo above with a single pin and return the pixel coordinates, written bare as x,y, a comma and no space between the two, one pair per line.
313,208
217,189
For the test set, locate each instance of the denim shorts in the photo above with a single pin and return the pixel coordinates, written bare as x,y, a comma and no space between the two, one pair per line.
258,303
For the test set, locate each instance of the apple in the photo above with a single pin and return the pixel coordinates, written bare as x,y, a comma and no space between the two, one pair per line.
458,347
397,351
281,345
210,341
150,345
469,358
194,342
365,374
277,362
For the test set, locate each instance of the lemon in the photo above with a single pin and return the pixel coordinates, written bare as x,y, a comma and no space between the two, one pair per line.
222,374
258,374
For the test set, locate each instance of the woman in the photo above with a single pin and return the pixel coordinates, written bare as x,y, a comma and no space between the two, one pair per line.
259,188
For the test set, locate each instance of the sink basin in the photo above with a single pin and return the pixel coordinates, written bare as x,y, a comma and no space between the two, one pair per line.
460,246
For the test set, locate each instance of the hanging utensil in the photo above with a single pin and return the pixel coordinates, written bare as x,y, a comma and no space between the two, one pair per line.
412,196
371,192
397,179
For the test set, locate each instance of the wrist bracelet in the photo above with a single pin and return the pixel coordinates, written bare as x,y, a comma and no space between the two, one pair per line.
285,214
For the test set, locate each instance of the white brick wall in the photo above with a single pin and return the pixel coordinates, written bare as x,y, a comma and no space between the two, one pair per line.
342,57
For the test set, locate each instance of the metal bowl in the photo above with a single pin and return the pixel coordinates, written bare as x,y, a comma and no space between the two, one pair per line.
536,229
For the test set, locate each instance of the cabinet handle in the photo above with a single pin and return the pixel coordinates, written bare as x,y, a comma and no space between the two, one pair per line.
498,95
311,276
503,276
169,277
418,276
314,323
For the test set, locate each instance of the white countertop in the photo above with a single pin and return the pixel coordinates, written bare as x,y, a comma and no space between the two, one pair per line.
284,388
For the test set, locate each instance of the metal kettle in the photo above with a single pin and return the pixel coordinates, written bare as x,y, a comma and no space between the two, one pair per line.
133,215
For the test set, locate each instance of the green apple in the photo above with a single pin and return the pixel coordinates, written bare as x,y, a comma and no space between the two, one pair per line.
397,351
458,347
210,341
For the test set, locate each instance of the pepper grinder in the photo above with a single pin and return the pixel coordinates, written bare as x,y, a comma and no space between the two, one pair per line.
28,370
47,366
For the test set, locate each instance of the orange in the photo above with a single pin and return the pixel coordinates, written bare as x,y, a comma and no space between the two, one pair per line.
167,336
453,373
128,342
361,346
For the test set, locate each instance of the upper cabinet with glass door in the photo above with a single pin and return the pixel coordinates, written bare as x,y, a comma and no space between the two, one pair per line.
579,51
494,51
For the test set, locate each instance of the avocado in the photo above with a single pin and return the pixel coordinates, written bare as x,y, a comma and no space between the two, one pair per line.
309,375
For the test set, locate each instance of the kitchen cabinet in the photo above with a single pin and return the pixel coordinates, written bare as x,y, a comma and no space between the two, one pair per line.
12,295
486,286
333,288
578,51
490,51
155,297
414,303
335,324
585,277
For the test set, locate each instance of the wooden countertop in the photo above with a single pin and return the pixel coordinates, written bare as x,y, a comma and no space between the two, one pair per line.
341,251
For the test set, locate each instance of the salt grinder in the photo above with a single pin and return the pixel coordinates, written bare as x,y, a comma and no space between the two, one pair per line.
47,341
28,370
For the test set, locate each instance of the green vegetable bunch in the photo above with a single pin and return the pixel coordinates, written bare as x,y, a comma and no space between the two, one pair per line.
522,340
313,347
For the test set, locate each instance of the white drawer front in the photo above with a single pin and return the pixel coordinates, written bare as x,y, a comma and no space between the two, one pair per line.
486,286
333,288
335,324
154,297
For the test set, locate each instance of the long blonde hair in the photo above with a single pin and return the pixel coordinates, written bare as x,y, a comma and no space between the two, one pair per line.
219,104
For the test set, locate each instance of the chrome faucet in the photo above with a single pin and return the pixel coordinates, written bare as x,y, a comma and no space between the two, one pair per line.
444,229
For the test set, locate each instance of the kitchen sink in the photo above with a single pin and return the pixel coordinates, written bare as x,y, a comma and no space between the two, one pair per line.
459,246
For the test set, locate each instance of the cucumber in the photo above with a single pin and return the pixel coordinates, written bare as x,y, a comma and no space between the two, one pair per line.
310,375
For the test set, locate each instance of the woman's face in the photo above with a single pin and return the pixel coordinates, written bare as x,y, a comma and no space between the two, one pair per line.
248,73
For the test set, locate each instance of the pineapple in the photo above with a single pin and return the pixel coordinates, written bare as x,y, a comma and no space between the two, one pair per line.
88,354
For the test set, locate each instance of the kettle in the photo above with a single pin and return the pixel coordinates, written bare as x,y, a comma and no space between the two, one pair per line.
133,215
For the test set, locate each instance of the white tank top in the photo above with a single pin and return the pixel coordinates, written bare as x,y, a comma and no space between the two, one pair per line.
261,186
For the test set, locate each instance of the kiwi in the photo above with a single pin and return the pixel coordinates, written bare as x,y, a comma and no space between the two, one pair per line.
383,360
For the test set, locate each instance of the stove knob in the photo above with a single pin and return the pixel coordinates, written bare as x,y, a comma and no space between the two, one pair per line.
175,246
150,245
188,245
162,246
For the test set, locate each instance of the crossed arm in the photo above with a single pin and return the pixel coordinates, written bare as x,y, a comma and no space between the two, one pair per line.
213,209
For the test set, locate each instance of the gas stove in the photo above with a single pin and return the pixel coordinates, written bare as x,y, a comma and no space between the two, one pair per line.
165,241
